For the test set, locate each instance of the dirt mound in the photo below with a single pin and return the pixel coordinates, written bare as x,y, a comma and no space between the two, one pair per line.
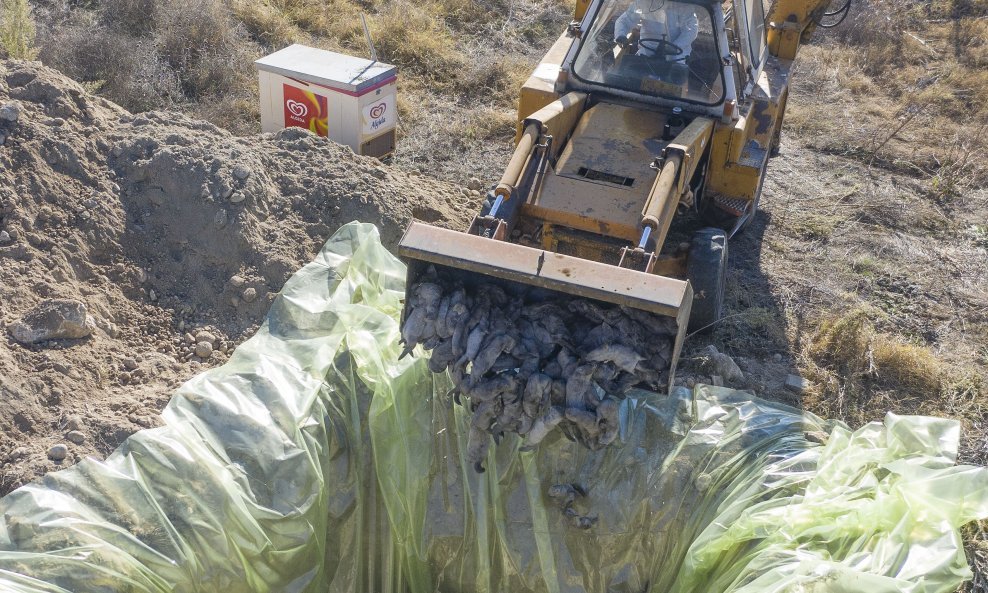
167,229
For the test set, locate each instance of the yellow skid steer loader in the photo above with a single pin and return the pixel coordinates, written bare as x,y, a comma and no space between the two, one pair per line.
644,114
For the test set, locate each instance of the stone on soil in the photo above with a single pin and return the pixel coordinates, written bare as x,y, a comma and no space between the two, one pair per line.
204,350
721,364
10,112
205,336
53,319
58,452
797,384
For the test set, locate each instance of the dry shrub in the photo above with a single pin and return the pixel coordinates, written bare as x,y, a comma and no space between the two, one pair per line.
203,45
277,23
265,24
17,29
148,54
126,70
970,41
135,18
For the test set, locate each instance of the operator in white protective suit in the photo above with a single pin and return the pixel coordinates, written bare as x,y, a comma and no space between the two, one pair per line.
660,19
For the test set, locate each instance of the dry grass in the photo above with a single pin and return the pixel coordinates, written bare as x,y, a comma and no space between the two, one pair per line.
908,80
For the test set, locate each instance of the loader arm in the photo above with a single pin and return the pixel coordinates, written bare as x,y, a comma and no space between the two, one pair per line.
791,23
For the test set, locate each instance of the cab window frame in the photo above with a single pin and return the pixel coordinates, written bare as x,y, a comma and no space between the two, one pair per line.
587,24
752,56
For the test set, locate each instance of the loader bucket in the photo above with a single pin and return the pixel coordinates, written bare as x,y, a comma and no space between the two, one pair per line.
474,259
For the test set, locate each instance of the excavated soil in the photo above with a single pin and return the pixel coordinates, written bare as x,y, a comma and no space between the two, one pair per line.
170,231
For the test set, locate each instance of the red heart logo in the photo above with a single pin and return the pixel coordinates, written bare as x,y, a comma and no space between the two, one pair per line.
378,110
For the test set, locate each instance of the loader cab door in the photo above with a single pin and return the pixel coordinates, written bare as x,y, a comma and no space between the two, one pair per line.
745,24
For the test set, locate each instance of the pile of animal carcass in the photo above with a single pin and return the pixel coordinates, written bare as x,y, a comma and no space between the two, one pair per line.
529,361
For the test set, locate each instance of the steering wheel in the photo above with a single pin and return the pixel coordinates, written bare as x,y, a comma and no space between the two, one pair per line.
663,47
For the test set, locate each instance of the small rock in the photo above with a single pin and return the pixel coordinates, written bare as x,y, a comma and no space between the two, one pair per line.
474,193
204,349
816,436
76,436
129,363
110,328
797,384
237,197
205,336
219,219
716,380
181,325
241,172
237,281
18,453
776,357
56,122
142,276
475,184
189,338
58,452
53,319
10,111
5,237
73,422
249,295
152,295
721,364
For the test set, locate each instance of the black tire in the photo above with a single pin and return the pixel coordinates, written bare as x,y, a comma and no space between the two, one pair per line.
706,269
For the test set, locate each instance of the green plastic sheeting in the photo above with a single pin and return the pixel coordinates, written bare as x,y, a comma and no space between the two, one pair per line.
315,461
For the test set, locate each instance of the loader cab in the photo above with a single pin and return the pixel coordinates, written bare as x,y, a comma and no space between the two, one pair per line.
656,49
700,55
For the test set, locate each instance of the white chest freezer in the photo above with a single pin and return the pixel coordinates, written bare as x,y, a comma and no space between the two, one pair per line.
350,100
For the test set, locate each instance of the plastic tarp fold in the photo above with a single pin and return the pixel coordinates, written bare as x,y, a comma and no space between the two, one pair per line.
316,461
